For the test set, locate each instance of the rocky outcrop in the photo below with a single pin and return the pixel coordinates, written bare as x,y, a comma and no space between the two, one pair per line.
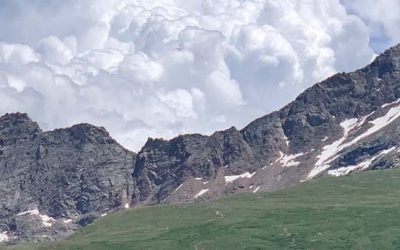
320,132
48,180
53,182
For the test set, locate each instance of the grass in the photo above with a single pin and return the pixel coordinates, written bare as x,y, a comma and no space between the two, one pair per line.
360,211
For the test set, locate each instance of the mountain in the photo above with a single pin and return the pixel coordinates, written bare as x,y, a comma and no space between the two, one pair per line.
343,124
53,182
359,213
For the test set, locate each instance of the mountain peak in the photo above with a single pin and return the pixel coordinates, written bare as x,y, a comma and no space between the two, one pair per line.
392,53
90,133
394,49
17,117
18,121
386,63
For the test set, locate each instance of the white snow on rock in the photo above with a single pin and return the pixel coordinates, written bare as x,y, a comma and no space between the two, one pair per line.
346,170
330,152
67,221
126,206
281,154
287,160
390,104
316,171
287,142
103,215
379,123
47,221
202,192
332,149
232,178
325,138
29,212
361,166
4,237
256,190
198,179
179,187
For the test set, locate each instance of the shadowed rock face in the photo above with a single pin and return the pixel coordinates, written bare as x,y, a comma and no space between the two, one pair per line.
163,165
63,174
53,182
265,147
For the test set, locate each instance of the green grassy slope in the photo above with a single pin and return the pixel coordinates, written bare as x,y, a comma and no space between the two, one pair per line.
361,211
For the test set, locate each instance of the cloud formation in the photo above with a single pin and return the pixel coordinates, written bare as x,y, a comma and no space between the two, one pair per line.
164,67
382,18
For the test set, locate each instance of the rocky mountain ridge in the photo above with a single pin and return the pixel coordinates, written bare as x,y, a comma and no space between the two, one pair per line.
53,182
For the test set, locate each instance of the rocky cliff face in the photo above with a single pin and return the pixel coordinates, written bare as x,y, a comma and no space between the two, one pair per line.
53,182
344,124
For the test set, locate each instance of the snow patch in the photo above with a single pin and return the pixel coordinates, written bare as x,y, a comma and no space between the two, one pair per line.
288,160
287,142
126,206
332,149
330,152
202,192
256,190
325,138
232,178
344,170
47,221
103,215
4,237
67,221
379,123
361,166
179,187
198,179
390,104
29,212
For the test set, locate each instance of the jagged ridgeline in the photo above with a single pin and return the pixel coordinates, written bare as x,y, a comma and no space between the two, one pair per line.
53,182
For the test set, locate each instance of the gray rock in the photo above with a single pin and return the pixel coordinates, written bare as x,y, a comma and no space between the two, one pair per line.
54,182
298,128
65,174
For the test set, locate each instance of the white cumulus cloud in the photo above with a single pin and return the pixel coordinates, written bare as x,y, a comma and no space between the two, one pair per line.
164,67
382,18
